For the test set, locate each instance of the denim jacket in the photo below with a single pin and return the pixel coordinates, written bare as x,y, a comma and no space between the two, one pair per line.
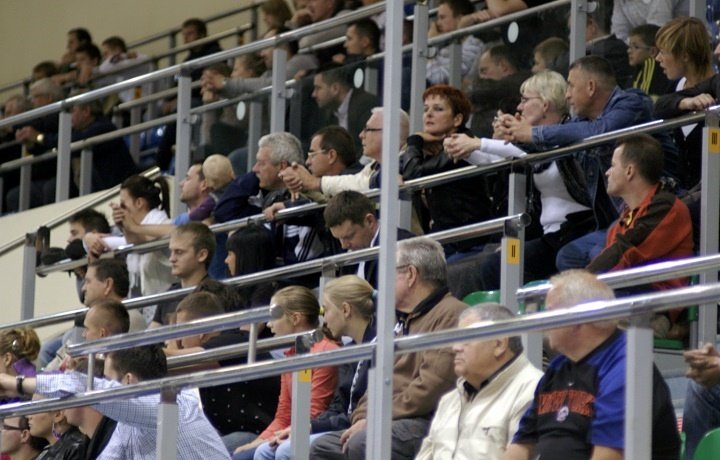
625,108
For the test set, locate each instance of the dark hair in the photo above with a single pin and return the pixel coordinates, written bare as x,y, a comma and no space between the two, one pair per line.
46,68
333,72
645,152
292,46
115,42
459,7
116,270
221,68
202,238
277,8
646,32
95,107
82,35
202,304
601,15
598,67
348,205
155,192
503,53
91,220
551,49
197,24
91,50
366,27
145,362
458,101
35,442
253,249
114,316
254,63
338,138
229,295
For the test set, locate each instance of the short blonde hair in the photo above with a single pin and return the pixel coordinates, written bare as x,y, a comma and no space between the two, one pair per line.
218,171
687,37
550,86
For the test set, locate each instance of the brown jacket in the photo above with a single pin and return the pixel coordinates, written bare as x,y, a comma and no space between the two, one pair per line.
420,379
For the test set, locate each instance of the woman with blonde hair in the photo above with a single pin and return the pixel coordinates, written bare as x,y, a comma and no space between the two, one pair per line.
349,311
567,211
685,55
300,313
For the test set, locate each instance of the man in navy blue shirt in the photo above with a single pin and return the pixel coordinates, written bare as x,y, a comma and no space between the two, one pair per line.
579,406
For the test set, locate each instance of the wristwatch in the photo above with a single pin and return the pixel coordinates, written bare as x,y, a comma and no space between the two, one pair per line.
39,138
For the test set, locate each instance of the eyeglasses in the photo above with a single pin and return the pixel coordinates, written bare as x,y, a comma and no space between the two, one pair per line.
312,154
525,99
370,130
11,428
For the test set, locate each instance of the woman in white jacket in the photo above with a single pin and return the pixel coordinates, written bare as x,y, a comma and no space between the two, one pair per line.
566,206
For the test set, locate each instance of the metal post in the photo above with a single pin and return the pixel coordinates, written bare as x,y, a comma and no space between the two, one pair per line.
90,382
578,18
173,44
25,183
255,21
511,267
698,8
295,111
638,400
419,65
27,303
86,161
300,428
709,215
254,131
182,139
455,77
135,119
381,376
167,425
2,193
277,98
252,344
62,184
371,79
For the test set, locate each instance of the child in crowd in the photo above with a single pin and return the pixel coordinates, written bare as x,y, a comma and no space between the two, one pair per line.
641,50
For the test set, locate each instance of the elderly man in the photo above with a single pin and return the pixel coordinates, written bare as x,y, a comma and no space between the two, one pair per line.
579,406
298,179
494,389
423,304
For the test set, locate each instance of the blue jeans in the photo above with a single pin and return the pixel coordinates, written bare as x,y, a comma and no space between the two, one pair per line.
282,452
578,253
700,414
239,438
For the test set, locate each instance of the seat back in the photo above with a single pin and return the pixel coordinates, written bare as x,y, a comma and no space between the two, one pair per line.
477,297
709,446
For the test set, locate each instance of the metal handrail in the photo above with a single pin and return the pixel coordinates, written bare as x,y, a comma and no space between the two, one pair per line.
432,180
299,269
238,30
187,67
231,351
661,271
175,331
251,4
62,218
580,314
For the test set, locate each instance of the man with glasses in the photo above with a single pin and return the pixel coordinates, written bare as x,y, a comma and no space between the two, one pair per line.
423,304
298,179
17,443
